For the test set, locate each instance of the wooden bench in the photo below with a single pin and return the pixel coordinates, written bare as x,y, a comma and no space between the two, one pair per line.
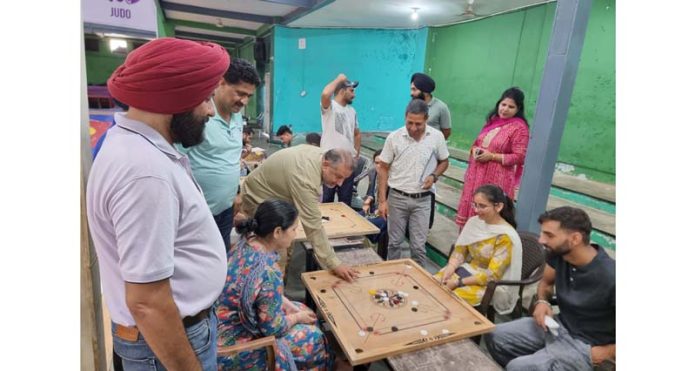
601,191
449,196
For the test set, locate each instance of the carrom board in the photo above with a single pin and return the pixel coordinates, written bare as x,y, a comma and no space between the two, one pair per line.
339,220
369,330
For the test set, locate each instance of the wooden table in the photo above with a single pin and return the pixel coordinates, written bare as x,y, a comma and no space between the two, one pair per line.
369,328
339,220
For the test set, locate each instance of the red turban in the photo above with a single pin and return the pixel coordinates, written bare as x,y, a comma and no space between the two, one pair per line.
169,75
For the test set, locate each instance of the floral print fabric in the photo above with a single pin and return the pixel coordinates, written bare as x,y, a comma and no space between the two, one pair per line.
254,274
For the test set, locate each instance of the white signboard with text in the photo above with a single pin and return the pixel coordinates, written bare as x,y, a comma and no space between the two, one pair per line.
132,14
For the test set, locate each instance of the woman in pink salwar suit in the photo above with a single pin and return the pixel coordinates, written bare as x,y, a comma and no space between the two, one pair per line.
497,155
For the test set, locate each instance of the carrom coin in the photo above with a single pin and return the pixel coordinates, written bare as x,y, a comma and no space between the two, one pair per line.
388,298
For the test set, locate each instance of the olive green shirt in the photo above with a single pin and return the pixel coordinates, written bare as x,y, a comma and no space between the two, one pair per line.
294,175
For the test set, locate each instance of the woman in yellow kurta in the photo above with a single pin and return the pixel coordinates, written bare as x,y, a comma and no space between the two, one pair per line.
488,249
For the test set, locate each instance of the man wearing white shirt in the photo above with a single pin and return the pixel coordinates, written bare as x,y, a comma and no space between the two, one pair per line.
339,123
404,159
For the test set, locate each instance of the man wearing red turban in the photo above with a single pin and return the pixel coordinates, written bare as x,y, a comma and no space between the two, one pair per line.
162,260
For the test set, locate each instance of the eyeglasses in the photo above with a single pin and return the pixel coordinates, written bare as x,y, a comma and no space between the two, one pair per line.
476,206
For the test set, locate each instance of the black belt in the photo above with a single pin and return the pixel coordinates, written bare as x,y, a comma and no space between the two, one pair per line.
192,320
412,195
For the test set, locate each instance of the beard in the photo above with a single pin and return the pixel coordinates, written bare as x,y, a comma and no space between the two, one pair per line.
187,128
560,250
420,95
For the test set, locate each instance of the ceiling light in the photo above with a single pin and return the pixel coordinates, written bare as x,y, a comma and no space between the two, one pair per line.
116,45
219,23
414,15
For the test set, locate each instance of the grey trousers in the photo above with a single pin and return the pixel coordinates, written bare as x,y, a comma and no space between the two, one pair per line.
523,345
415,212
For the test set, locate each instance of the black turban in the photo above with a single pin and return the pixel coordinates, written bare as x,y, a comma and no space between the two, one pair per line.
423,82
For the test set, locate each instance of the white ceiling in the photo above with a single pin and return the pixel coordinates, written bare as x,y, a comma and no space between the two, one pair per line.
326,13
396,13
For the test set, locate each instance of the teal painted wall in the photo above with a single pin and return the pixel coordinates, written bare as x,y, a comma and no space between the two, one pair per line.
474,62
382,60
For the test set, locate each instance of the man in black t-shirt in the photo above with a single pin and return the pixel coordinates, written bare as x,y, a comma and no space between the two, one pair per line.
584,277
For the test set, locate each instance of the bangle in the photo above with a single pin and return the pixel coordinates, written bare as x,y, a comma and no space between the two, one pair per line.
543,302
434,177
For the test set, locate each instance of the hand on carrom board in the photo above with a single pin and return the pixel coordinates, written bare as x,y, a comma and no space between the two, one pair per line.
345,272
447,273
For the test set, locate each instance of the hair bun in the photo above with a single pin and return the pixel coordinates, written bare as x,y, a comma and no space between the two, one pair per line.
247,226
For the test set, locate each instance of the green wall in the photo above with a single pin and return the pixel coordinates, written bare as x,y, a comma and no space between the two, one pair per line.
101,64
246,51
474,62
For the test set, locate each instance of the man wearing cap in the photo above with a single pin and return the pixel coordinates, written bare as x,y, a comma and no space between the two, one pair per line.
161,258
339,123
215,161
422,87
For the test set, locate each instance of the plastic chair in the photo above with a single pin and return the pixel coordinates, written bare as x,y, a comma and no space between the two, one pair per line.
533,263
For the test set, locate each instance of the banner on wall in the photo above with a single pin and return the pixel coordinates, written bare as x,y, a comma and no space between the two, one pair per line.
121,15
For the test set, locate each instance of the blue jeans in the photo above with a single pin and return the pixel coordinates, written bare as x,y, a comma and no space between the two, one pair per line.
224,223
523,345
378,222
345,191
137,355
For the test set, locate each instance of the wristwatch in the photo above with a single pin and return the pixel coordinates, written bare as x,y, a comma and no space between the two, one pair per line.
434,177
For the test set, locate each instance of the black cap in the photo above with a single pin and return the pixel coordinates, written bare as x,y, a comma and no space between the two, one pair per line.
350,84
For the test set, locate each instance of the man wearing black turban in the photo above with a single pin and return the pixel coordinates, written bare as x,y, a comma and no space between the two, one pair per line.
422,87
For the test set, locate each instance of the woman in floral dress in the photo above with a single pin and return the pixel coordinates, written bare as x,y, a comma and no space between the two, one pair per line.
252,304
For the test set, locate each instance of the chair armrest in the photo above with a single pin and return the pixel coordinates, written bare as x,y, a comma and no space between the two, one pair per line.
265,342
524,282
491,286
268,342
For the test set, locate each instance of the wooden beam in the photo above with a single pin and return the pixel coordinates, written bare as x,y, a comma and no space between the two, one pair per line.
93,354
218,13
202,36
298,3
299,13
211,27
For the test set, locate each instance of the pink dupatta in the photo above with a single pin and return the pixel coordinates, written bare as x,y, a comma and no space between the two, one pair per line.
495,123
